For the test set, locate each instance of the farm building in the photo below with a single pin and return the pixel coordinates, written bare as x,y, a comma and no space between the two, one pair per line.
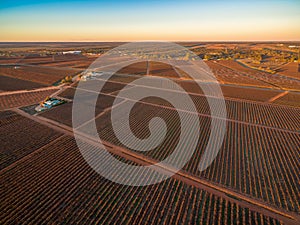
72,52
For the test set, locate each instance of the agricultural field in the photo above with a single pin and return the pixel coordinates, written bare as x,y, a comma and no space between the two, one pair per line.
71,192
258,165
152,68
14,84
35,59
252,94
275,80
108,87
63,113
135,68
227,75
243,111
248,162
234,91
291,99
163,70
38,74
30,137
25,98
122,78
82,64
45,179
290,70
8,60
229,91
264,114
68,93
71,57
190,86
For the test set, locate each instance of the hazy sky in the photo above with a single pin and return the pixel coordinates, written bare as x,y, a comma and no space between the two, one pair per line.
151,20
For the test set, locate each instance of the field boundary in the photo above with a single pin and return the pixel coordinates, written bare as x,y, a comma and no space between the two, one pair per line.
278,96
30,154
28,91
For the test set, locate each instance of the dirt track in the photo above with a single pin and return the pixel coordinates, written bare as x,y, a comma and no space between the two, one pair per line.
278,96
28,91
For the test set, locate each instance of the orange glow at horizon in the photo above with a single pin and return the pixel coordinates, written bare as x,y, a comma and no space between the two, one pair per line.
196,21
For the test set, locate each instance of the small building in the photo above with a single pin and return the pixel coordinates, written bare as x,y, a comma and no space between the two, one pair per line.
72,52
48,103
91,75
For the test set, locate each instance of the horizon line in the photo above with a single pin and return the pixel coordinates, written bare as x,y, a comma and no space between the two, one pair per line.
99,41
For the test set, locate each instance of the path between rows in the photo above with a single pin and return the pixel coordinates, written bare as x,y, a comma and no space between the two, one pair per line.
29,91
278,96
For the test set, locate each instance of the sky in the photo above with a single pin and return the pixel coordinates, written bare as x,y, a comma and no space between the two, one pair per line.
169,20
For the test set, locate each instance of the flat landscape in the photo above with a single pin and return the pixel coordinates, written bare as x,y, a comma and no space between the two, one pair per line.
254,178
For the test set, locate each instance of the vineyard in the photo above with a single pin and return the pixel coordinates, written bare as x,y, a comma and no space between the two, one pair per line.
4,60
291,99
264,114
275,79
162,70
69,191
135,68
14,125
122,78
231,92
44,178
229,76
108,88
259,162
269,115
117,82
24,98
63,113
32,59
68,93
254,160
155,69
83,64
252,94
14,84
42,75
290,70
66,57
248,112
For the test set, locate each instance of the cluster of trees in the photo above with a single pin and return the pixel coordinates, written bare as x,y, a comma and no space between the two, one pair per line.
94,50
256,55
67,79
